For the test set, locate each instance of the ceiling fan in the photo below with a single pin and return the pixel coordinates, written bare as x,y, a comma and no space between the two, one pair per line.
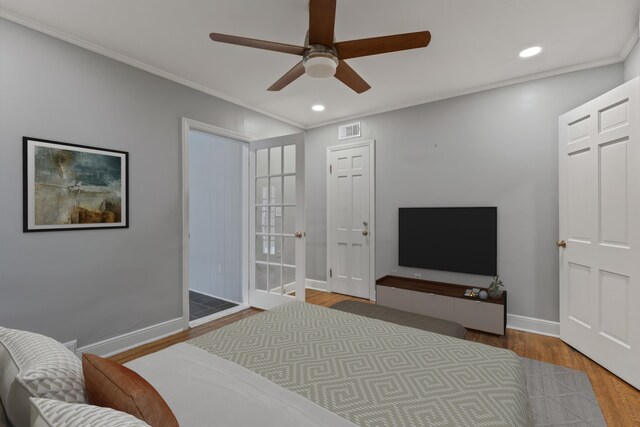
323,57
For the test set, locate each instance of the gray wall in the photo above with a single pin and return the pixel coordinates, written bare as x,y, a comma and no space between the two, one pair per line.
215,216
93,285
494,148
632,64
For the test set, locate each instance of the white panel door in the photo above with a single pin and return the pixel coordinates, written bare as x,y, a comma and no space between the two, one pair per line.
276,244
350,217
600,226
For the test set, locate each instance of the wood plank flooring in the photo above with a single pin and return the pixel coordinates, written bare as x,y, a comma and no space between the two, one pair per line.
152,347
620,403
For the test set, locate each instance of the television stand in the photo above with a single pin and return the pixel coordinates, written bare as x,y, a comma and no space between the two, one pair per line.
443,301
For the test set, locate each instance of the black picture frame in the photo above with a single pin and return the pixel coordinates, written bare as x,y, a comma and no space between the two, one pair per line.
73,187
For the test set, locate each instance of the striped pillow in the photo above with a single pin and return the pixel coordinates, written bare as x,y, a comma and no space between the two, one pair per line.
53,413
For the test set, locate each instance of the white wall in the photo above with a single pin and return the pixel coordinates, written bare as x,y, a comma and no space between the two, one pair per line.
632,64
215,216
494,148
96,284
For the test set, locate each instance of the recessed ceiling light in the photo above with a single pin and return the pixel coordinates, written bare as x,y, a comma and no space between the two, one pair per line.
530,51
318,107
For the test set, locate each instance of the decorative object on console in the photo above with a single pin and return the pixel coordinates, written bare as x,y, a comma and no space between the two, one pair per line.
32,365
495,288
483,294
68,186
113,385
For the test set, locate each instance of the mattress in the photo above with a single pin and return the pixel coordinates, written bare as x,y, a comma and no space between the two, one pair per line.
375,373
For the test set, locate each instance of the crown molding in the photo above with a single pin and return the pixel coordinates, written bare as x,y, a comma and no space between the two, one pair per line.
20,20
631,42
475,89
626,49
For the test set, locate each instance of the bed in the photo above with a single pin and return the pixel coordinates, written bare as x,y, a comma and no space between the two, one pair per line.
301,364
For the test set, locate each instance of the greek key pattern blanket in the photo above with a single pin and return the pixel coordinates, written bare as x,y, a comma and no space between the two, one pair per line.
375,373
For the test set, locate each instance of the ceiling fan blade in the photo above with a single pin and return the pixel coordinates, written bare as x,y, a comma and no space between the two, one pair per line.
259,44
290,76
385,44
322,17
348,76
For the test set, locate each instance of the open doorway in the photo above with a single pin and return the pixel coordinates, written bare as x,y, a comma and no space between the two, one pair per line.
214,216
215,224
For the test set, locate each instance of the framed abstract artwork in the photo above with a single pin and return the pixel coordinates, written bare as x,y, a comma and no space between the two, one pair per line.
73,187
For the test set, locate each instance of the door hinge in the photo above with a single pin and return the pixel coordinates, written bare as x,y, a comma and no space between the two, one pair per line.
330,272
330,169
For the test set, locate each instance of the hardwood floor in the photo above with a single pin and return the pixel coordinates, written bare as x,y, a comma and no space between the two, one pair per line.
620,403
152,347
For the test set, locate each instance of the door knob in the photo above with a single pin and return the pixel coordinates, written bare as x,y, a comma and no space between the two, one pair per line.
561,244
365,233
298,234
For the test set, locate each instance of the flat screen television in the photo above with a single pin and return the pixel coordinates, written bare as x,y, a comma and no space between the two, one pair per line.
463,240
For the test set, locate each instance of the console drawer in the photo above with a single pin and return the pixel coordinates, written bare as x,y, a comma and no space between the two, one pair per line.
394,297
484,316
433,305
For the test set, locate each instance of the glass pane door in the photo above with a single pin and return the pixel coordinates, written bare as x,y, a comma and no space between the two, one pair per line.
277,224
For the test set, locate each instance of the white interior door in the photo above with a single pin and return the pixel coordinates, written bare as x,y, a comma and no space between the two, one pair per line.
276,213
600,225
350,220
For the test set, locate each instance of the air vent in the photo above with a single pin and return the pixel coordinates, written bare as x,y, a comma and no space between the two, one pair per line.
352,130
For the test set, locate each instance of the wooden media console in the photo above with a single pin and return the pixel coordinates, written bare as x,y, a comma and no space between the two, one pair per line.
443,301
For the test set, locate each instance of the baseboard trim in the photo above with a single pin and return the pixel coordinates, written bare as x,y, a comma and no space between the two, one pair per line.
214,316
288,288
533,325
133,339
318,285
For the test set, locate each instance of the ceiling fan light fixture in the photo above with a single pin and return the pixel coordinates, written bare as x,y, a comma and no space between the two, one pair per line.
322,56
320,67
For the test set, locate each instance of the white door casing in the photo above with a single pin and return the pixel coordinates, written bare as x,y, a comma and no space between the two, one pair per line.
276,219
351,219
599,206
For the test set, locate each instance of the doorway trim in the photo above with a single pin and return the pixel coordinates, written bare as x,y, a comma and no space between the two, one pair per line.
372,211
187,126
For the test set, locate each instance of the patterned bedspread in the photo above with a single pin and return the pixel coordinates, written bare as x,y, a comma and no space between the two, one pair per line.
375,373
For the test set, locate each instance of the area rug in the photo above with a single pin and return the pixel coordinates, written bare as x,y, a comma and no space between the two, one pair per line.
560,397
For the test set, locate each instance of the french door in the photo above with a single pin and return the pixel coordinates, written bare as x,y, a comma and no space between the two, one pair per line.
276,245
600,230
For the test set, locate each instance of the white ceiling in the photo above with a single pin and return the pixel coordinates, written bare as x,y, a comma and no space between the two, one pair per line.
474,45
